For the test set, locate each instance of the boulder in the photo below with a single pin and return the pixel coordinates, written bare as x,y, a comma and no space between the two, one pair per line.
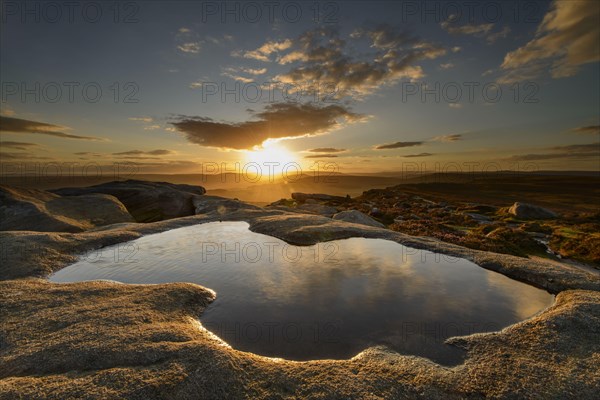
356,217
530,211
481,219
146,201
280,202
219,205
318,209
42,211
376,212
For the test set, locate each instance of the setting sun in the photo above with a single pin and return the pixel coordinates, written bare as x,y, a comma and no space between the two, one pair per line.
271,157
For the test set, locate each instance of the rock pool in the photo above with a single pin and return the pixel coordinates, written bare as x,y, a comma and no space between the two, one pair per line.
330,300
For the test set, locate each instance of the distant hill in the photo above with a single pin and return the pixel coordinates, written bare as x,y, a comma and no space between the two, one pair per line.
544,187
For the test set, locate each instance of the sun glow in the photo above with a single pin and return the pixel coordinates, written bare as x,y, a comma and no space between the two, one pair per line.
271,159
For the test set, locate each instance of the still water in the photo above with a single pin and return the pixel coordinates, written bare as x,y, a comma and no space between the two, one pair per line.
330,300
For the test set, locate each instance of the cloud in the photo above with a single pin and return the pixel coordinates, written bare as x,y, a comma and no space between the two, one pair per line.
214,40
326,150
567,37
448,138
397,145
322,156
264,51
141,119
190,42
233,73
146,121
493,37
24,146
17,125
400,145
587,130
277,121
254,71
321,57
17,145
21,156
470,29
482,30
418,155
7,110
553,156
239,78
385,37
190,47
575,151
446,66
88,153
591,147
143,158
159,152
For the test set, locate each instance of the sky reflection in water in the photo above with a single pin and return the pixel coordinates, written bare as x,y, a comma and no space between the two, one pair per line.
330,300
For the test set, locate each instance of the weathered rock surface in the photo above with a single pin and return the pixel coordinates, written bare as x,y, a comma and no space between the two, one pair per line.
42,211
482,219
376,212
108,340
530,211
147,201
145,341
356,217
213,205
318,209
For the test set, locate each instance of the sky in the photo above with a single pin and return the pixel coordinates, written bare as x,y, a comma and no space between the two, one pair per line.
362,87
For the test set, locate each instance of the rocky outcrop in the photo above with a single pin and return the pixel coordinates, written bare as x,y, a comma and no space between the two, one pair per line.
318,209
480,218
147,201
145,341
530,211
356,217
302,197
42,211
213,205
